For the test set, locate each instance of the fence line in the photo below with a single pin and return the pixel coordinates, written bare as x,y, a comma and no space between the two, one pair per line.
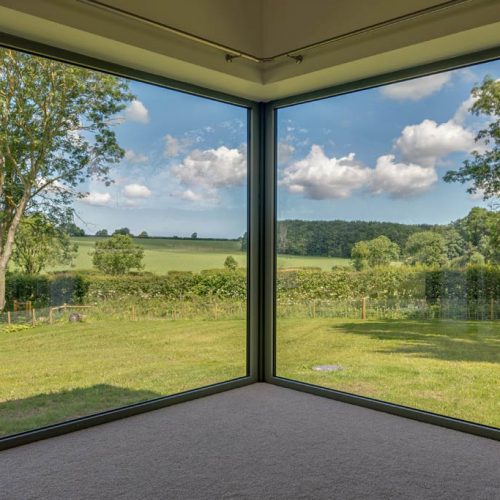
363,308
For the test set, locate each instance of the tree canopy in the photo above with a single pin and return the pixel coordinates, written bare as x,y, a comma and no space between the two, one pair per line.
482,171
377,252
427,248
117,255
39,244
55,132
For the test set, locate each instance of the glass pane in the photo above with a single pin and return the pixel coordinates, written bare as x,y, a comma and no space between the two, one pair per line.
127,278
388,241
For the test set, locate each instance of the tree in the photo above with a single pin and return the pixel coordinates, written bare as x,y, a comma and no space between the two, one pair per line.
102,232
40,244
117,255
123,230
194,236
72,229
143,234
55,132
480,230
427,248
359,255
377,252
230,263
483,170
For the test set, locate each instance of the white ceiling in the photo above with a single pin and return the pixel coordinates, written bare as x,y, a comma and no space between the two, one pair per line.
263,28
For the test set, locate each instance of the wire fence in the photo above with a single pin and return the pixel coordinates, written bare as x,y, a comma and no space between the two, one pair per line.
367,308
363,308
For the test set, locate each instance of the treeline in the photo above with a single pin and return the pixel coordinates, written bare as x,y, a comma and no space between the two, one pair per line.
474,238
335,238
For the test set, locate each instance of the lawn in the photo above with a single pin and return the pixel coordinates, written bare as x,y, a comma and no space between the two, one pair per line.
52,373
168,254
448,367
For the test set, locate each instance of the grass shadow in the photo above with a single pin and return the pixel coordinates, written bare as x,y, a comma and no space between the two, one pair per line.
445,340
18,415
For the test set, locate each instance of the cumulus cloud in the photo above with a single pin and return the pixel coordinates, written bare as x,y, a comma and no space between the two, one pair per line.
172,146
135,191
401,179
190,195
97,199
136,112
210,169
285,152
134,157
426,142
463,110
176,146
416,89
319,177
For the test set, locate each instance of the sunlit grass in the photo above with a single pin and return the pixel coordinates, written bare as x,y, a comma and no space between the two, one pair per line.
162,255
447,367
52,373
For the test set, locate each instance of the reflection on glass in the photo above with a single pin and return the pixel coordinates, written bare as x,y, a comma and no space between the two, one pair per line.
388,240
127,277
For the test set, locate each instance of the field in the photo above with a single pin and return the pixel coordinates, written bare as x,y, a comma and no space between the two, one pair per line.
52,373
168,254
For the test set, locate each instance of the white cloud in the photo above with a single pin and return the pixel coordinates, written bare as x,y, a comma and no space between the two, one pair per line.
285,152
319,177
136,191
136,112
176,146
134,157
97,199
426,142
190,195
463,110
416,89
210,170
401,179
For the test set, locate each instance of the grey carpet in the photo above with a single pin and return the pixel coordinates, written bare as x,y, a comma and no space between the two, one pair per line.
257,442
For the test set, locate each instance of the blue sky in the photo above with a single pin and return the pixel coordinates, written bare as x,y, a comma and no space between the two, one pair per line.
378,154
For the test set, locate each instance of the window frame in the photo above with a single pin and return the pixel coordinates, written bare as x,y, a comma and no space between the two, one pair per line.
253,231
261,252
270,244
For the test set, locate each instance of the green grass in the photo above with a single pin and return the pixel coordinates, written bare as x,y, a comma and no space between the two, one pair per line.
162,255
447,367
51,373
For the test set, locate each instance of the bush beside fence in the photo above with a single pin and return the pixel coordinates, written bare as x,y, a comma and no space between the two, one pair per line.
391,292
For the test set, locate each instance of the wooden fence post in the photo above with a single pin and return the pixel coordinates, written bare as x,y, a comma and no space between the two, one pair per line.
51,318
492,309
8,317
33,317
363,308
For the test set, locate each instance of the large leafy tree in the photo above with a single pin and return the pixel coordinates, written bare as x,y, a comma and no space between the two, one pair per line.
117,255
482,171
427,248
55,132
377,252
39,243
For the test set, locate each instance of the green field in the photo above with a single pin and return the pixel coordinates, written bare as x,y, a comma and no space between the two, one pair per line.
52,373
164,254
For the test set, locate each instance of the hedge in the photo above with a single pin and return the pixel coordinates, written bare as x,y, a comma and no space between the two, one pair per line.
478,283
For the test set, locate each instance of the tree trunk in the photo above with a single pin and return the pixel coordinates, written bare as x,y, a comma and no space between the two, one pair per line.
2,288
